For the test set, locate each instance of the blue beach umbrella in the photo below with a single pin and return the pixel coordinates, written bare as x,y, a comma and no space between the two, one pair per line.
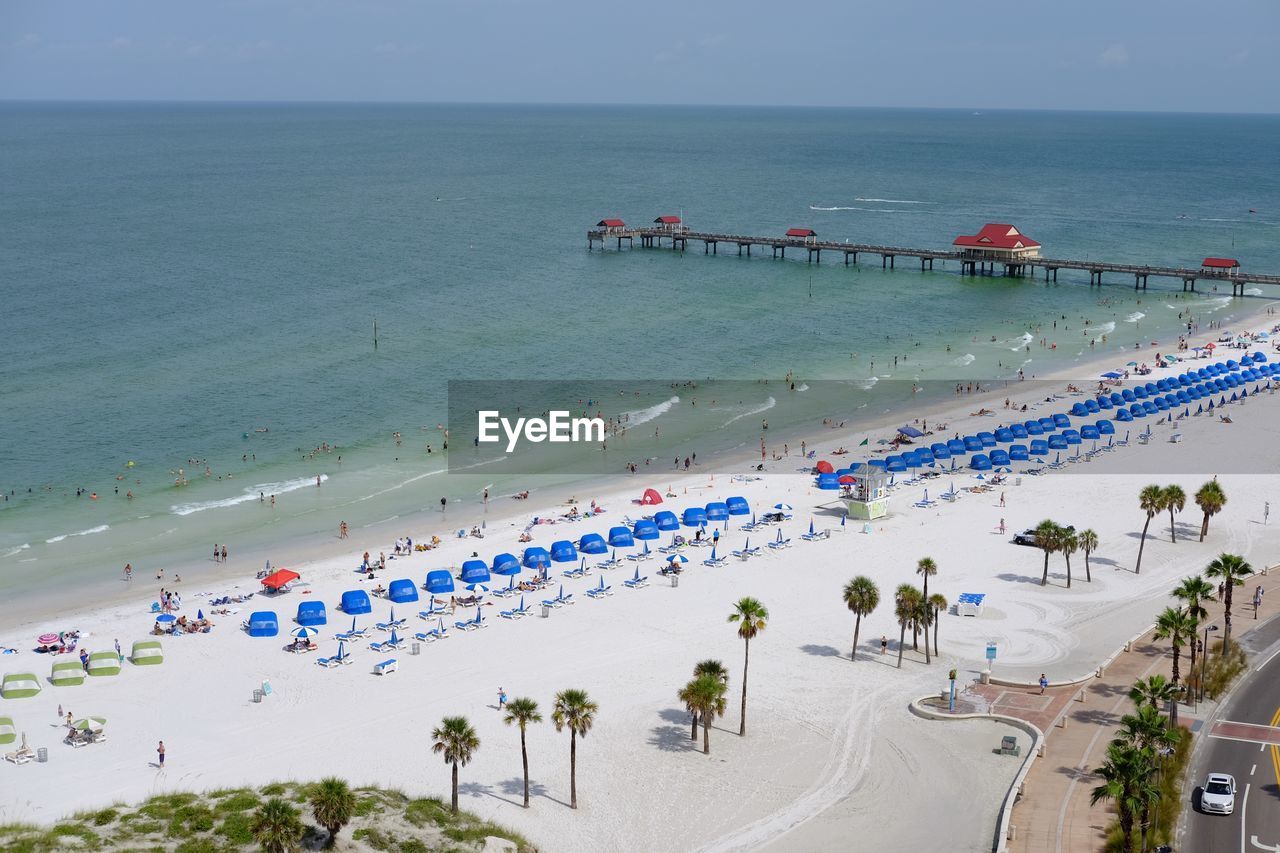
677,558
166,617
845,517
779,539
713,556
394,638
342,650
304,632
199,615
810,526
477,587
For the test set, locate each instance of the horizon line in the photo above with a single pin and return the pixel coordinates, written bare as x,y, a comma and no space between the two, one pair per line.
598,104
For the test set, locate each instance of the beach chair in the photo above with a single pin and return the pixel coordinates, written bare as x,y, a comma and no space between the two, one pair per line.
636,582
385,667
579,572
466,626
425,637
20,756
510,614
504,592
640,556
609,564
328,663
386,627
779,544
600,591
384,646
713,562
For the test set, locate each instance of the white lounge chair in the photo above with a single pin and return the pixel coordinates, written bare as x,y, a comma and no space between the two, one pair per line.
599,591
636,582
385,667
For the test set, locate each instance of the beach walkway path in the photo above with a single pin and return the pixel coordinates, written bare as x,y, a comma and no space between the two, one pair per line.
1054,815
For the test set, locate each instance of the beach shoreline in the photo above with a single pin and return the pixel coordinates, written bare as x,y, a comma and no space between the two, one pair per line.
615,491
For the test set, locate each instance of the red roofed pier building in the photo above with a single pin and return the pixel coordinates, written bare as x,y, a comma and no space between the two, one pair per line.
996,243
1230,266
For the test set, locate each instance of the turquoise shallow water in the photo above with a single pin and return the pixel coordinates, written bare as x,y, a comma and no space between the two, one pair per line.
177,276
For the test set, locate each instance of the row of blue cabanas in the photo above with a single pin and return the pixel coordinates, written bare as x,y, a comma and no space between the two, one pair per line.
441,581
1056,431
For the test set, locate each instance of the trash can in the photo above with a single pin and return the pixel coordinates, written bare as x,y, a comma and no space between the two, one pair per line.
946,694
675,580
42,754
415,649
546,611
257,694
1017,481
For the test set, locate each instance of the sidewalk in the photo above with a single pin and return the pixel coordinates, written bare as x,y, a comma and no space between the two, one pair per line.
1054,815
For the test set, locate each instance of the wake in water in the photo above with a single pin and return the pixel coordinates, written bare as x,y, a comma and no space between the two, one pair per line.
1134,317
1105,328
13,552
101,528
966,359
891,200
252,493
764,407
1020,343
643,416
865,209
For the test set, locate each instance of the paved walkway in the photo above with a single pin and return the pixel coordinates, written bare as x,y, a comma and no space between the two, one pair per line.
1054,814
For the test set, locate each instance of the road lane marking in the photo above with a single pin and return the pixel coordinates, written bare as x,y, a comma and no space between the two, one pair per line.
1244,807
1252,769
1267,661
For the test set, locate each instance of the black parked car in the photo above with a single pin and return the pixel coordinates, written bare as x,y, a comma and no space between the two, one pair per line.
1028,536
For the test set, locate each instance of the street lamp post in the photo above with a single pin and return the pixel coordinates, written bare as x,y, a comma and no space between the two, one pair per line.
1204,658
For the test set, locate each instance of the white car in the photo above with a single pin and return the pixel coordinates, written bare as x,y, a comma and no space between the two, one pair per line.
1218,796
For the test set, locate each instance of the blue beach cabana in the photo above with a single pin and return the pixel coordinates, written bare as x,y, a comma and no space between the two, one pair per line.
506,564
562,551
593,543
695,516
619,537
474,571
535,557
738,506
355,601
402,591
666,520
645,529
263,624
439,582
717,511
311,614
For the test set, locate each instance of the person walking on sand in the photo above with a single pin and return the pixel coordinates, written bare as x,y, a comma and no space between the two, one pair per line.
502,699
160,753
215,552
1002,499
1266,511
224,553
884,644
1044,682
128,571
1002,527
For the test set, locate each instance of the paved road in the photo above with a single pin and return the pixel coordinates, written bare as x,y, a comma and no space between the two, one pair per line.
1243,739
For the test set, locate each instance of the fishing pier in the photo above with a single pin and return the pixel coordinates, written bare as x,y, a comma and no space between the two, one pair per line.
997,247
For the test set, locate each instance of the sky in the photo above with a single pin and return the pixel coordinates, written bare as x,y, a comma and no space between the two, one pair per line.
1161,55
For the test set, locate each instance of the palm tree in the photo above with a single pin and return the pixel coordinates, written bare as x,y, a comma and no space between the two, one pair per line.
1211,499
705,696
1144,735
923,620
1047,537
457,741
1122,773
1068,544
927,567
1193,591
1088,543
861,596
706,667
574,709
1176,626
276,826
938,602
333,805
752,617
1150,501
521,712
906,607
1154,691
1231,570
1174,500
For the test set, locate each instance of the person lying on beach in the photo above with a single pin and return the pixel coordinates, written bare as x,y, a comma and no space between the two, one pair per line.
378,590
981,412
525,537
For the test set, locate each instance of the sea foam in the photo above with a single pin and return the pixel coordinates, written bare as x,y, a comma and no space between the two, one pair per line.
249,494
643,416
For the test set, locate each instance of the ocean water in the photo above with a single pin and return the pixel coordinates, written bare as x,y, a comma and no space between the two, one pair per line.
195,287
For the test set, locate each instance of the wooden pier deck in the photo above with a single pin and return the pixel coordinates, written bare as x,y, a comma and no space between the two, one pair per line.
678,238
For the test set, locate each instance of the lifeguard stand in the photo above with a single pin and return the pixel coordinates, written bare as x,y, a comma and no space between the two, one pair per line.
867,497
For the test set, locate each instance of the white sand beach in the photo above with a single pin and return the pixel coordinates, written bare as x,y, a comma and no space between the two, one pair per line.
830,748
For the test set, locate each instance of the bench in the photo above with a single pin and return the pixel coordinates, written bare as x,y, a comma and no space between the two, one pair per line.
388,665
